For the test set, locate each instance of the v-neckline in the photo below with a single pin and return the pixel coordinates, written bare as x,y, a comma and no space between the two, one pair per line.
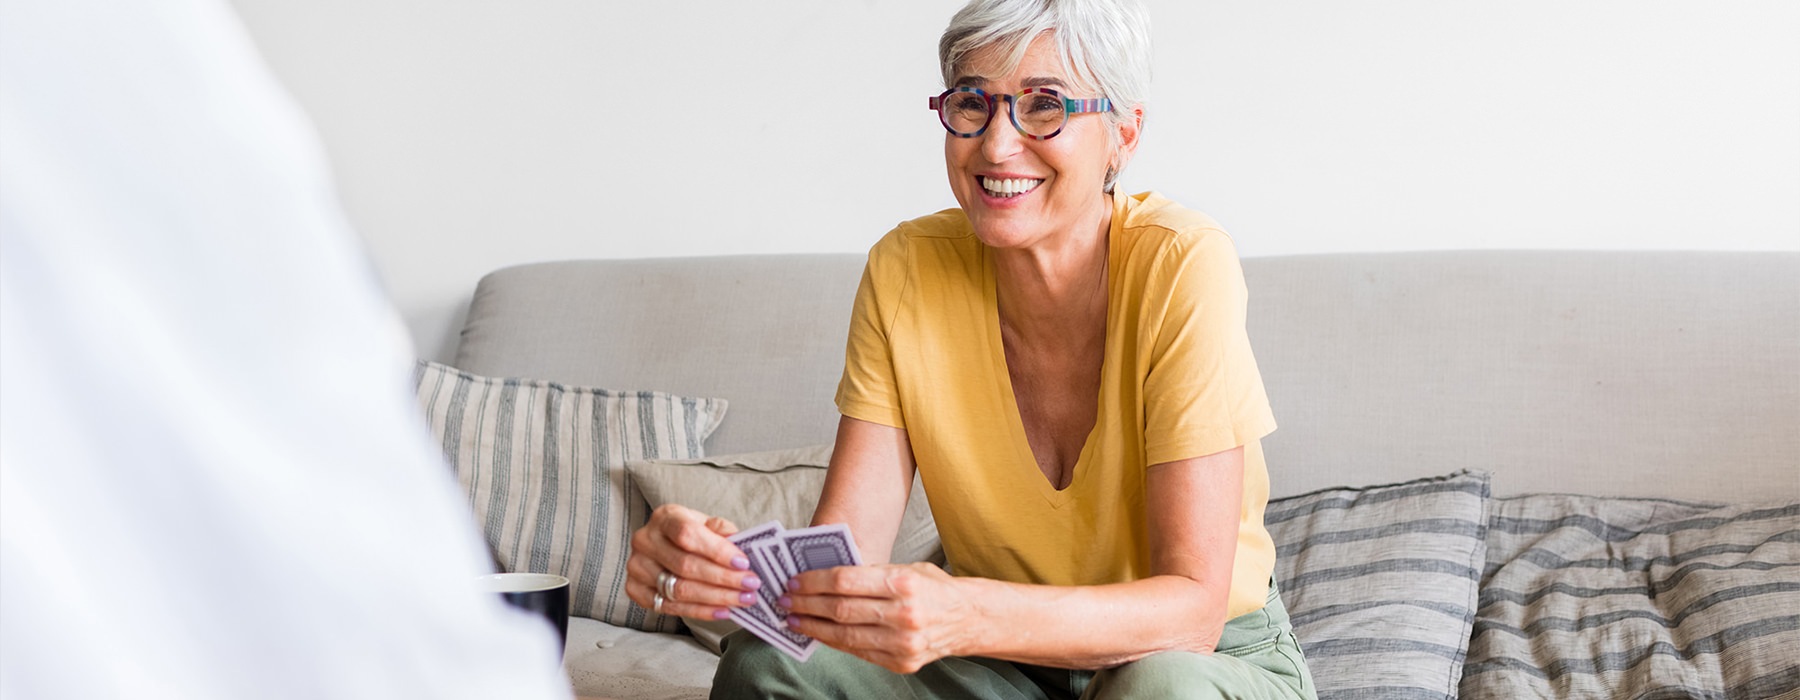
1023,456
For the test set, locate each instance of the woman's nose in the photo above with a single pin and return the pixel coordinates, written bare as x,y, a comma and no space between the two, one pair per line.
1001,141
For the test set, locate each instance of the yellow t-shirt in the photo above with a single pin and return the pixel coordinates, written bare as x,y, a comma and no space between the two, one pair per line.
1178,381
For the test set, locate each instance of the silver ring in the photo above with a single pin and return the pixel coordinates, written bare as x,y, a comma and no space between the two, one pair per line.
665,583
656,603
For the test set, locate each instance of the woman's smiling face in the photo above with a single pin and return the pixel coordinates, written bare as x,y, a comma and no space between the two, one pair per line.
1017,191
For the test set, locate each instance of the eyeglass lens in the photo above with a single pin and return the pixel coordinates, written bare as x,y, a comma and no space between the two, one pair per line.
1035,113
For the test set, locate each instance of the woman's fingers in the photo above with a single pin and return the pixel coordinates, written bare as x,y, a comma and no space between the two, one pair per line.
692,533
681,542
898,652
708,576
724,527
643,595
853,611
859,595
676,559
884,581
690,590
837,635
900,616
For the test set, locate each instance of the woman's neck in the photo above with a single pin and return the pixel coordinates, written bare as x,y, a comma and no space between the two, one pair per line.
1058,286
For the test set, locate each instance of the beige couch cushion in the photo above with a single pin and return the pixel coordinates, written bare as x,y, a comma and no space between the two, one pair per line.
1634,598
1380,582
607,661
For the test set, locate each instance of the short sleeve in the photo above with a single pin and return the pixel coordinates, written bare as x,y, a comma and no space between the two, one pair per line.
1203,393
868,389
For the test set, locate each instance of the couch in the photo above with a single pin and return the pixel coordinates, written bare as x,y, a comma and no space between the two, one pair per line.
1609,416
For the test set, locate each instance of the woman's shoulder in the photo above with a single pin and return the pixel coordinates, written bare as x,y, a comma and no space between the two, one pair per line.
949,223
1158,228
931,249
948,227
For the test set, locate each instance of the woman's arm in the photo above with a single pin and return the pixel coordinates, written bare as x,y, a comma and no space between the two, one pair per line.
903,617
1193,506
867,485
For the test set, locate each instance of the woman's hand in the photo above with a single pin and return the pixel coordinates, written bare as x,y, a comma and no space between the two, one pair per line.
710,572
897,616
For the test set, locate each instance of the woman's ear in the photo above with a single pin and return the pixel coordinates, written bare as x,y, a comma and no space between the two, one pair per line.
1130,128
1125,142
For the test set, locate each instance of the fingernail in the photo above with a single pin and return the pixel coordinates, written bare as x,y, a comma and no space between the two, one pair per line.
793,583
785,602
792,621
747,598
721,614
740,563
751,582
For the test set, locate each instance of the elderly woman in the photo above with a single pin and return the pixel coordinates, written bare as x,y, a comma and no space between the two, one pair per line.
1067,370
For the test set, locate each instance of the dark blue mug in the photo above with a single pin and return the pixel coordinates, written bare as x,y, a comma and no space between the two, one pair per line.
545,595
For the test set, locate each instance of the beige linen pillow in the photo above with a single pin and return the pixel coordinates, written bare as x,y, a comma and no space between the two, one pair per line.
754,488
543,466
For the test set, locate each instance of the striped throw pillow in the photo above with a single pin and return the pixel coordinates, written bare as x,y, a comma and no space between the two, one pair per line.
544,467
1381,583
1638,598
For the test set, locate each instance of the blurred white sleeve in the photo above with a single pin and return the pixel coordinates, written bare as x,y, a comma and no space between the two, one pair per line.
214,481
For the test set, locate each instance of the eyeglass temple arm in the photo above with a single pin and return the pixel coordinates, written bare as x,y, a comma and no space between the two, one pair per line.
1098,104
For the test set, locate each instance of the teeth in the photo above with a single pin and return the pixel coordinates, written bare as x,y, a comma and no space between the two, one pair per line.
1010,186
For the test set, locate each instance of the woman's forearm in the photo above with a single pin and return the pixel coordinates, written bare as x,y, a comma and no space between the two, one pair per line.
867,485
1092,627
1193,505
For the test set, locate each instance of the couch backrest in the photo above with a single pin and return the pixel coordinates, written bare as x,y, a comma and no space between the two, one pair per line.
763,332
1672,374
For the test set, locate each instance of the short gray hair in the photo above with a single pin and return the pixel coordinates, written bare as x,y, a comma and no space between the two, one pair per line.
1104,44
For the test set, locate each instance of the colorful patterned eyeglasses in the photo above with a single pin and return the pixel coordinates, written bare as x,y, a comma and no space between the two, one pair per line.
1038,113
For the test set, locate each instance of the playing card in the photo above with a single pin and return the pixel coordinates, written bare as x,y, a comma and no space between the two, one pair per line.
822,547
762,619
756,534
764,558
748,541
779,563
776,556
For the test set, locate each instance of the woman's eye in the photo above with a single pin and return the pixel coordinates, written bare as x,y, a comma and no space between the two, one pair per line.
968,104
1043,104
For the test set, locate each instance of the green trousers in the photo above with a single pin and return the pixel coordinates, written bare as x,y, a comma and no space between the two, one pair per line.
1257,658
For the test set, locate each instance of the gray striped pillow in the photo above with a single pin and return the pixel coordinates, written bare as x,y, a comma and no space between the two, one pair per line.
1638,598
1380,582
544,467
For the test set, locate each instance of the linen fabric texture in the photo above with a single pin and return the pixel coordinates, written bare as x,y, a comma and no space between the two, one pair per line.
1382,583
754,488
1178,381
1596,597
543,465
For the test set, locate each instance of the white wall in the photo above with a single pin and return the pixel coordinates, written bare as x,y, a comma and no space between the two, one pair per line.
469,136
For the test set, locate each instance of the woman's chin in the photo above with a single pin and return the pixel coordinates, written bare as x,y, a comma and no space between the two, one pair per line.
995,235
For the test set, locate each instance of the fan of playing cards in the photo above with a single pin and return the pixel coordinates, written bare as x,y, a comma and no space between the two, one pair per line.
777,555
